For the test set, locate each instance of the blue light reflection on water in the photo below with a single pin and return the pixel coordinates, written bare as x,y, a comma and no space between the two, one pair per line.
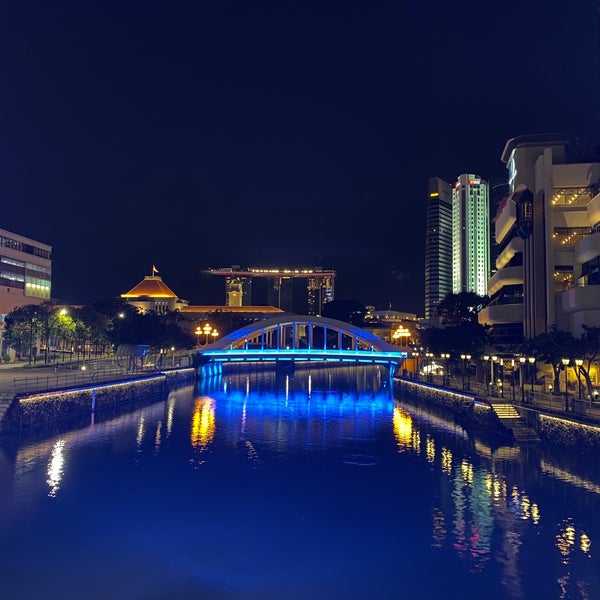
316,485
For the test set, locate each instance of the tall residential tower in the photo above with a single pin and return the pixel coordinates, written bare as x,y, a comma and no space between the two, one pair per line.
438,244
457,239
470,235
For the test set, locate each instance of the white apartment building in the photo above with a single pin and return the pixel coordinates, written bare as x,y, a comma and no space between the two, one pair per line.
548,230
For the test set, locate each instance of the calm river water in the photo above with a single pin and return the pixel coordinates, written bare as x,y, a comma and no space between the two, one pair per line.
318,485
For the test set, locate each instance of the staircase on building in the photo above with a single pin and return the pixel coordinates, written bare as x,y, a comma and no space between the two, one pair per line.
509,416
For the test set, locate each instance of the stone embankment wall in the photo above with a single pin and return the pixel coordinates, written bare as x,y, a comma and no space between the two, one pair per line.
468,410
41,408
567,433
563,432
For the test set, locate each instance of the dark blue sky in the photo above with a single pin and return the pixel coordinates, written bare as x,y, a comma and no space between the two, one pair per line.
193,134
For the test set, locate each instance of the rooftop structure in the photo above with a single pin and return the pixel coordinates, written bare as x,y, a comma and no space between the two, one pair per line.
238,286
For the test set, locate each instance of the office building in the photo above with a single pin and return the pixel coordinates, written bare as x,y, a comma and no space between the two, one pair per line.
25,272
457,240
438,244
548,231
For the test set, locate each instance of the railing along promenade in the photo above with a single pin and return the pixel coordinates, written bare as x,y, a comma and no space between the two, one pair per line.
525,398
17,380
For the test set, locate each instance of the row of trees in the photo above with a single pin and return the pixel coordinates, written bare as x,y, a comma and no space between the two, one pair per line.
90,330
461,334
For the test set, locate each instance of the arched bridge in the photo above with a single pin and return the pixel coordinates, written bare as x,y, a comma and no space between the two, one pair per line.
290,340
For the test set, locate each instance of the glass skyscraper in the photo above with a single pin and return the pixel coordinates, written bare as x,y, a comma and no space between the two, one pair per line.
457,239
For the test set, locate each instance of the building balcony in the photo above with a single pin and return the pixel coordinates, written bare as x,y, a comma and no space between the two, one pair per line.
503,277
588,248
499,314
505,220
581,298
513,247
593,210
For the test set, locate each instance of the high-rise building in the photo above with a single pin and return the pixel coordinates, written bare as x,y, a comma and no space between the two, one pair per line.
457,239
280,286
438,244
548,231
25,271
470,235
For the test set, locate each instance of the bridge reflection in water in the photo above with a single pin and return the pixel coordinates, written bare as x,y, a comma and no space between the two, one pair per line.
311,410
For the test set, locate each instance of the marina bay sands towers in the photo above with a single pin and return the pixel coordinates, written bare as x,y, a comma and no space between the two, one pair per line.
318,286
457,239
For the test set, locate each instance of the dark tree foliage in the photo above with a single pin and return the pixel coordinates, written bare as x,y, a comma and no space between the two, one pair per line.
460,308
463,338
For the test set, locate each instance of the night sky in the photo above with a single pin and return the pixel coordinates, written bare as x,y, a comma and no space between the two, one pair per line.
196,134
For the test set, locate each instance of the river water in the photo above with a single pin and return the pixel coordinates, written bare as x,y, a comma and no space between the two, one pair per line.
323,484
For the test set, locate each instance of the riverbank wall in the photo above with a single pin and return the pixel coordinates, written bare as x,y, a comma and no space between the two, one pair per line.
562,431
38,409
469,411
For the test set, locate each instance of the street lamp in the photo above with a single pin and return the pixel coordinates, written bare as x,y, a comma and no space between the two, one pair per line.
485,358
416,357
565,362
198,332
214,334
531,361
445,356
493,369
522,361
465,359
173,354
429,355
579,362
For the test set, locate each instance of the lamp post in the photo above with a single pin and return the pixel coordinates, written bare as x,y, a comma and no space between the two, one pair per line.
493,370
531,361
416,357
565,362
579,362
522,361
173,355
214,334
198,332
445,356
429,355
485,377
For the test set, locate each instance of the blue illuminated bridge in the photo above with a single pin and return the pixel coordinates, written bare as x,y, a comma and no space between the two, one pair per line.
289,341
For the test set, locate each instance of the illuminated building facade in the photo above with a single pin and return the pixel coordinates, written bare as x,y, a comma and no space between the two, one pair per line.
457,239
548,231
470,235
438,244
152,294
280,286
25,272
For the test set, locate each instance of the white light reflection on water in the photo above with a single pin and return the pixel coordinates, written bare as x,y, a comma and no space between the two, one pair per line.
56,467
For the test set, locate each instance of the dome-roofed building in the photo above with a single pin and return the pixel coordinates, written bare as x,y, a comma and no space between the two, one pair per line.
152,294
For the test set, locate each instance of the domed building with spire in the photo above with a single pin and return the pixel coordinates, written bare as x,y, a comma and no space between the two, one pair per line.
152,294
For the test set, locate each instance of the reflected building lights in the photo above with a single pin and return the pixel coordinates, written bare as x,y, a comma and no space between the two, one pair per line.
446,461
430,449
157,437
203,423
439,528
140,432
56,468
403,430
170,412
